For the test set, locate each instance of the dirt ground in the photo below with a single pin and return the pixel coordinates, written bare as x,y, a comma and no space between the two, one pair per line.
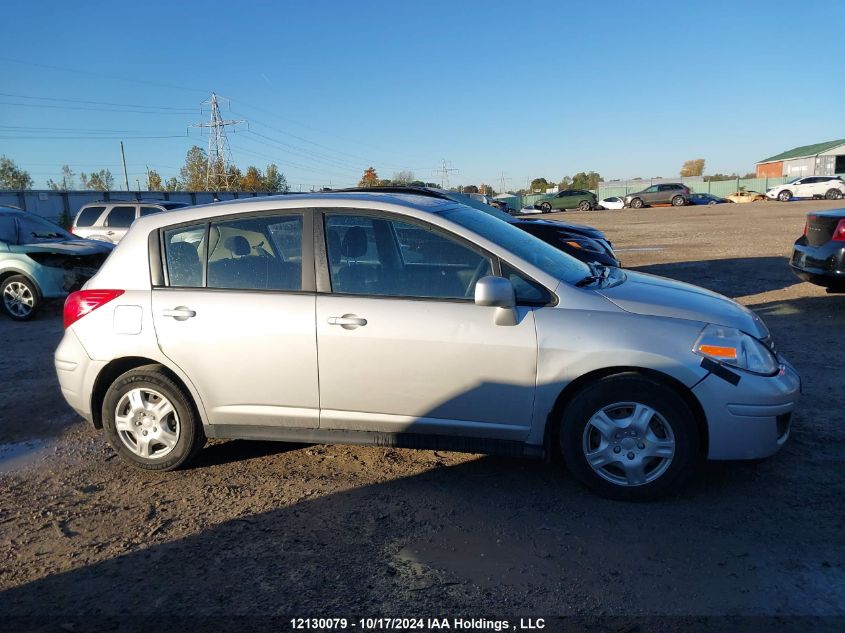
258,529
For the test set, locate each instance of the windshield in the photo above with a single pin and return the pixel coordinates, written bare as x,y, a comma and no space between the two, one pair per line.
525,246
477,204
33,229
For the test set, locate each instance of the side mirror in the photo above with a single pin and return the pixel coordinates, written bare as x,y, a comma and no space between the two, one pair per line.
497,292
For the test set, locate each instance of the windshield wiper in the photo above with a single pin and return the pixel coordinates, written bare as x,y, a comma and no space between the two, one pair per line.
597,274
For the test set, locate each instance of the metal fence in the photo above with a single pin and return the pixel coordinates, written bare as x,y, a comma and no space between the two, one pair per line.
55,204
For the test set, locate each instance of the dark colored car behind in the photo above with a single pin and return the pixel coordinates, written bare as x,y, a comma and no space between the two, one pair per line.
819,254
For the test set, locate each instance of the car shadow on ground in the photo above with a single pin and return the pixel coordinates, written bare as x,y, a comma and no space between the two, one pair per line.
733,278
227,451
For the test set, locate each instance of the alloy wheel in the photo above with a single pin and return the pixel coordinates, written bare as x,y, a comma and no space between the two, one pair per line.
146,423
18,299
628,444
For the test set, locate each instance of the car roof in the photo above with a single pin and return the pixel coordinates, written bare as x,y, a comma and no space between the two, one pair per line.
141,201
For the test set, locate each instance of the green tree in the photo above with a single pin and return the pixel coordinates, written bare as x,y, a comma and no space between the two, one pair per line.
274,180
370,178
540,184
403,177
12,176
67,183
470,189
586,180
193,171
98,180
172,184
154,182
253,179
694,167
565,183
416,183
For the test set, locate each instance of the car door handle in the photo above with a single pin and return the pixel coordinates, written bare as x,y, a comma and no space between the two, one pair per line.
109,232
348,321
180,314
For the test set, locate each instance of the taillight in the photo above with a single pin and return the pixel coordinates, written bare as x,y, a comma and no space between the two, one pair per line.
807,223
839,232
83,302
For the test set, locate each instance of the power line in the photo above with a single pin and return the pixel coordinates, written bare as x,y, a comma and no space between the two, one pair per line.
106,103
444,174
86,109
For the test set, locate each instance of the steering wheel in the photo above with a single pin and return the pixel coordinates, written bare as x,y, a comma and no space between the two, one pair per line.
483,265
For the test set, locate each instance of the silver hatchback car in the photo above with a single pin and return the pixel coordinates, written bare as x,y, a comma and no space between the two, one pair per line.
411,321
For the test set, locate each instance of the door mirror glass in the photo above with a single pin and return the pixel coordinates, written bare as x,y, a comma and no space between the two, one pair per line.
495,291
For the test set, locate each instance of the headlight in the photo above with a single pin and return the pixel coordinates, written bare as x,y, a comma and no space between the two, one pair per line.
735,348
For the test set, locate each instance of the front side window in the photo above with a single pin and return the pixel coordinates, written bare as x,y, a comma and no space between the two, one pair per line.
373,255
652,189
8,230
121,217
34,229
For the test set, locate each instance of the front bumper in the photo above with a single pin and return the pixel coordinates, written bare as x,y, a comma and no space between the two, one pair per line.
749,420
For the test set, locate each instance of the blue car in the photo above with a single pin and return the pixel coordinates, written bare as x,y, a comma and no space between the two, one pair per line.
40,260
706,198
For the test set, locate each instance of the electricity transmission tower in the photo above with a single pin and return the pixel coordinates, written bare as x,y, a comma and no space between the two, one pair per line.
503,180
444,175
217,170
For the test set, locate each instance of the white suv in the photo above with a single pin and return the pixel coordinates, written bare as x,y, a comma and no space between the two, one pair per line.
830,187
109,221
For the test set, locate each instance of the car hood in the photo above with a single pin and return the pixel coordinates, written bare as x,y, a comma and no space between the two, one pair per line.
70,247
583,229
650,295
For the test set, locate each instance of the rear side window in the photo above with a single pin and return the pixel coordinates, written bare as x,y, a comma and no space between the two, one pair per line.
88,216
184,252
121,217
263,253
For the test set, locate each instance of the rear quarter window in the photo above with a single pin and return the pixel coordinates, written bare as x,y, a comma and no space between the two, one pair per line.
150,210
88,216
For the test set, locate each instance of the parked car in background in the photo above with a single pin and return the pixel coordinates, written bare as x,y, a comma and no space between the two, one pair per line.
39,260
614,202
743,196
485,199
582,242
437,325
568,199
109,221
830,187
675,194
819,254
707,198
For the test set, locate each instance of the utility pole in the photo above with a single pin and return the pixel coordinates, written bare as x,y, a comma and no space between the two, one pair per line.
503,180
125,175
219,153
444,174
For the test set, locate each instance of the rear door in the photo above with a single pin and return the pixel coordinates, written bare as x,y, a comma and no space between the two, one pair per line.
235,312
402,345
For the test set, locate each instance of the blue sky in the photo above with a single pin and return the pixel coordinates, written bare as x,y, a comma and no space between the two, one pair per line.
628,89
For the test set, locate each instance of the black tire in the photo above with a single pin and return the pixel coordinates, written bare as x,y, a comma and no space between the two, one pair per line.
19,298
785,195
711,203
637,203
191,437
678,201
833,194
545,207
585,205
631,388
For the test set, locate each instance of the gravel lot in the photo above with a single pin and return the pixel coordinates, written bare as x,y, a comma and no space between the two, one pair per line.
262,528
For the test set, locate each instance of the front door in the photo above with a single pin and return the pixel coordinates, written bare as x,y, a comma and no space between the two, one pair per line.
402,345
234,315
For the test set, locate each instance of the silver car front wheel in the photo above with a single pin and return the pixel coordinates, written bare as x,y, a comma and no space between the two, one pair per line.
628,443
630,436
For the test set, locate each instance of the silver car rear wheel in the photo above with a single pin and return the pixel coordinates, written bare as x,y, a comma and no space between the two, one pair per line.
628,444
147,423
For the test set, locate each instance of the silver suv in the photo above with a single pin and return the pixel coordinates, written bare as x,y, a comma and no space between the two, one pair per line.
410,321
109,221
